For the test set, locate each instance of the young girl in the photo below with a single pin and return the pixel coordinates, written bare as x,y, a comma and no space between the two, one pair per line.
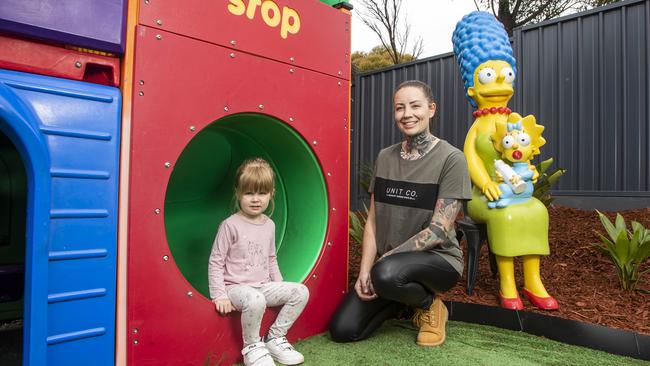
243,270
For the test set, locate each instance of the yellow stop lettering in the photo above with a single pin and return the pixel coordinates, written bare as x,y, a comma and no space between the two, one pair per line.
288,19
252,6
237,7
270,7
290,22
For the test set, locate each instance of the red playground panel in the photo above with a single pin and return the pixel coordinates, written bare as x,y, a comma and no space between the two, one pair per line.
301,32
200,106
38,58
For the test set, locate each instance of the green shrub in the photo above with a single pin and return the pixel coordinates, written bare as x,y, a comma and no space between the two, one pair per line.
545,181
358,219
627,250
366,172
358,223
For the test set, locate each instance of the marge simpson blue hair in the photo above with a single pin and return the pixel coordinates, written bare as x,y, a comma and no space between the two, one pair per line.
480,37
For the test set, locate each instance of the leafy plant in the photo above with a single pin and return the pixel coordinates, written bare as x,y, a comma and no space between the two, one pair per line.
366,172
358,223
545,181
628,250
358,219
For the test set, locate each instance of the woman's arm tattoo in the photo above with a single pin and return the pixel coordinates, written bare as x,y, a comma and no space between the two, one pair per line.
438,231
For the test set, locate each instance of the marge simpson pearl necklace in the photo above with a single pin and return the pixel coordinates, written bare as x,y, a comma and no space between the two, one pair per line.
493,110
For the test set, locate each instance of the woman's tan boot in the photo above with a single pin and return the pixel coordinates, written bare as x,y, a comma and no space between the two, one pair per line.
432,324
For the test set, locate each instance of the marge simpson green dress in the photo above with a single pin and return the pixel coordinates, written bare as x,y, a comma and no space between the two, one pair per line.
515,230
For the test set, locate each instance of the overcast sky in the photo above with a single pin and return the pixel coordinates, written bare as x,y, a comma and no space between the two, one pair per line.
434,20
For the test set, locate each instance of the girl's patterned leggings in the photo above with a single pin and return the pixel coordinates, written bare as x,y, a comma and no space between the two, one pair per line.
252,302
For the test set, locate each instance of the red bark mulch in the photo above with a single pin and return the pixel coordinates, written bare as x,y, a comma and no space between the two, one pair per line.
583,281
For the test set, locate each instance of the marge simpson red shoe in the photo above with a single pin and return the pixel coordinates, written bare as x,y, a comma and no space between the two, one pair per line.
544,303
513,303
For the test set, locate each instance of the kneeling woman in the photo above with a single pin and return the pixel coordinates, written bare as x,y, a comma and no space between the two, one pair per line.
416,193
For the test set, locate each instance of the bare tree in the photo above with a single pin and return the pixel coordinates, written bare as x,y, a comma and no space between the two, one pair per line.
515,13
383,18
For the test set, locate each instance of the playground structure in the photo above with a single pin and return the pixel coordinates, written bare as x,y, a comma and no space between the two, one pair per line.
195,100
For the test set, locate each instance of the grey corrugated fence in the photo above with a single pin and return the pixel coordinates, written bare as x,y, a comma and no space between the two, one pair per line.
585,77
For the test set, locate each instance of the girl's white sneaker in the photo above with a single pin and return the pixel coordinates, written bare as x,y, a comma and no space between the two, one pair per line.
283,352
256,354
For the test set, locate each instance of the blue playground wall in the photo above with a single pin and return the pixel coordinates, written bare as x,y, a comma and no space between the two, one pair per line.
68,135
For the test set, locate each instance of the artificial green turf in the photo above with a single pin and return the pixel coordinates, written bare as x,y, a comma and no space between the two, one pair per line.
467,344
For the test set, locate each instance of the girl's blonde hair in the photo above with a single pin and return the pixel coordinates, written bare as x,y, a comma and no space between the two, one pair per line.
255,175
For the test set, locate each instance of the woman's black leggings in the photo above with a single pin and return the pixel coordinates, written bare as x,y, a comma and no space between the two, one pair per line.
410,278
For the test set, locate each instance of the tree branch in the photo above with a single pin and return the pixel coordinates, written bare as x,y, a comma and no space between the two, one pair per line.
383,18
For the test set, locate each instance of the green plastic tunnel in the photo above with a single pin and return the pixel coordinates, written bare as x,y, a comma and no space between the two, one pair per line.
200,194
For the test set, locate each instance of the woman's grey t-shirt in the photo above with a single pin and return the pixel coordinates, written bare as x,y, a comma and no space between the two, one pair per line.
406,192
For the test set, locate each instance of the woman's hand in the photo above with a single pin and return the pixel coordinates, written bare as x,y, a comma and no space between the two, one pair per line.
223,306
363,287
